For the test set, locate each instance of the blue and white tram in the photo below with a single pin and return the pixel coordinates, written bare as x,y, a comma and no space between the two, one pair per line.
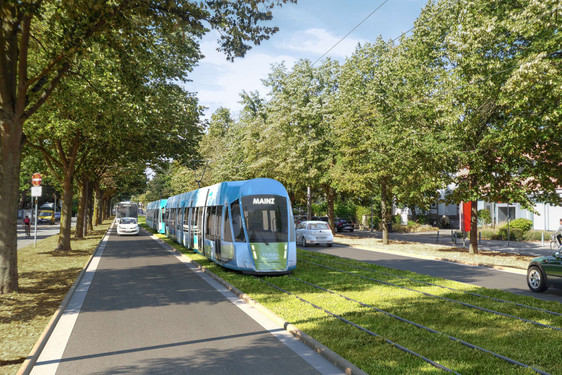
155,215
242,225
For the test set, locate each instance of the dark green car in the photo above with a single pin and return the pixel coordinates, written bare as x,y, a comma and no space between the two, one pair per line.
545,272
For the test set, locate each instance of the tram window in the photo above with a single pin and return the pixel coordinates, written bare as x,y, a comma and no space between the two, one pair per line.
210,223
226,226
218,216
185,223
238,230
266,218
200,212
194,230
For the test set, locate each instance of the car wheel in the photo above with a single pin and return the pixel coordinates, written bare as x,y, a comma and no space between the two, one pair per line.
303,242
351,230
536,280
329,245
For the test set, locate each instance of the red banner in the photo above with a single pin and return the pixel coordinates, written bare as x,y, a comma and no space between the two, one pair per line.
467,211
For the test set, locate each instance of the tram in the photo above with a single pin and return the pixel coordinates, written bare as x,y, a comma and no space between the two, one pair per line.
126,209
241,225
155,215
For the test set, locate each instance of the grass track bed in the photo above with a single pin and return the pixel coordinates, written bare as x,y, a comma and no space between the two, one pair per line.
535,346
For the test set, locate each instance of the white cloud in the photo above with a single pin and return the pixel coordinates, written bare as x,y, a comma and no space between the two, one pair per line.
316,41
219,83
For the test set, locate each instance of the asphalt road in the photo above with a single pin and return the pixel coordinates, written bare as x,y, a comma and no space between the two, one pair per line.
43,231
145,311
481,276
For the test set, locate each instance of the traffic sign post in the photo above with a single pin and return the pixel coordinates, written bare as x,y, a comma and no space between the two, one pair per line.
36,191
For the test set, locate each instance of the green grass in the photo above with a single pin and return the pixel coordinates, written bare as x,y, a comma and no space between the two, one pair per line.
536,346
45,277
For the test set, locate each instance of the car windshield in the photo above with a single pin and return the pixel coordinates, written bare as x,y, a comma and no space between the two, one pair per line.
266,218
45,213
318,226
128,220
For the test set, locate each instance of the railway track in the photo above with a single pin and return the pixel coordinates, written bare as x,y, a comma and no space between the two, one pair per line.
432,284
361,323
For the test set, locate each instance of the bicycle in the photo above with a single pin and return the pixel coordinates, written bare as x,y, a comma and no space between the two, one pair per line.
27,230
554,245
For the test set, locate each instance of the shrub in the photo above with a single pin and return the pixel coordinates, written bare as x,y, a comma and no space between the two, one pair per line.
366,211
397,219
523,224
346,210
488,234
423,219
485,216
536,235
515,234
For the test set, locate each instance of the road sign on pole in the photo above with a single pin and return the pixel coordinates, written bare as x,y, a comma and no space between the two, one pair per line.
36,179
36,191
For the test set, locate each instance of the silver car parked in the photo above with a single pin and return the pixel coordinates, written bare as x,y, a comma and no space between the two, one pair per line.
314,233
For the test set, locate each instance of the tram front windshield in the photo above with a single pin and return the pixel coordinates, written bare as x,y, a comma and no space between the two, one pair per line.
266,218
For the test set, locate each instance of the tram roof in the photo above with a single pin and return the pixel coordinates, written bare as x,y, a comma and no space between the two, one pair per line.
226,192
160,203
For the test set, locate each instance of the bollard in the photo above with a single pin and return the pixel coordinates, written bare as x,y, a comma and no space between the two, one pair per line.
479,238
437,236
542,238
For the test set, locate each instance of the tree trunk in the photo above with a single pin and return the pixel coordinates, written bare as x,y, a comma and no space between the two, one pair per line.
10,165
66,212
414,216
384,214
473,247
82,208
97,204
89,227
308,203
330,199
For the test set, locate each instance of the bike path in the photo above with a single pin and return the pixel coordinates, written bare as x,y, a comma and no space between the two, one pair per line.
140,309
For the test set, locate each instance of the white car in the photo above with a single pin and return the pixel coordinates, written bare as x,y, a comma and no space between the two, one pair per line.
127,225
314,233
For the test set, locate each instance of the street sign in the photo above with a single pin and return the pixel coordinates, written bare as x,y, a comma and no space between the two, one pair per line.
36,179
36,191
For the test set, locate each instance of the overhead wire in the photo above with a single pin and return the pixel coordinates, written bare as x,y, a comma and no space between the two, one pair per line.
482,79
352,30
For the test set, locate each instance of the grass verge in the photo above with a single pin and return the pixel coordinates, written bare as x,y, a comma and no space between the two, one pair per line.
519,340
44,279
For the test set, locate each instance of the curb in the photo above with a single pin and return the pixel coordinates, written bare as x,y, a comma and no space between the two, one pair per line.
334,358
33,355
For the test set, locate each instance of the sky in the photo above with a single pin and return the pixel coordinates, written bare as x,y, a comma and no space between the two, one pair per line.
307,30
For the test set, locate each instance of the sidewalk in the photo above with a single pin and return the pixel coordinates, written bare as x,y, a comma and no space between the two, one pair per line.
443,237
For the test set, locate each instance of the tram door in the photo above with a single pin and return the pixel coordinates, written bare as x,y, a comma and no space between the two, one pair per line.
199,229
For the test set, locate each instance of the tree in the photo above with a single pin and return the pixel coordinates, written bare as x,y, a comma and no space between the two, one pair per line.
298,140
41,42
505,62
388,146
